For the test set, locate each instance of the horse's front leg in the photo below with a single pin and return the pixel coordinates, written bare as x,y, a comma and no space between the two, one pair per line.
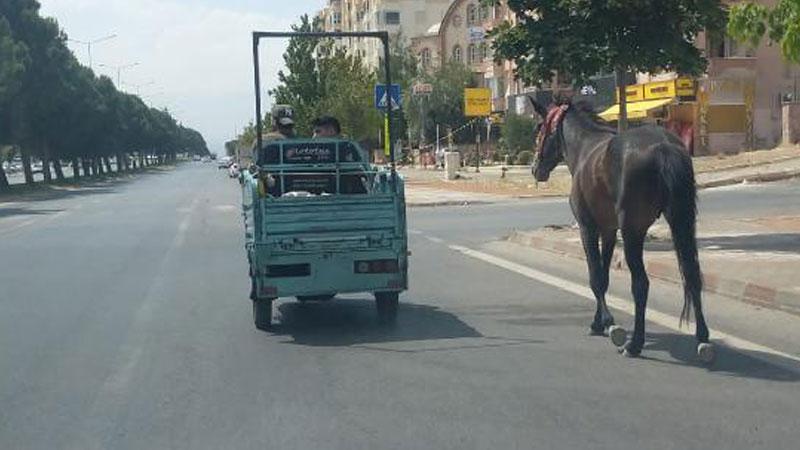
598,277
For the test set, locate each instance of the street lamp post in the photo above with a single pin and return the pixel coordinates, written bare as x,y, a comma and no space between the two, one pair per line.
89,44
119,70
138,87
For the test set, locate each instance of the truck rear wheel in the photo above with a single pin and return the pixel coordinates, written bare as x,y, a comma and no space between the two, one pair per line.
387,304
262,314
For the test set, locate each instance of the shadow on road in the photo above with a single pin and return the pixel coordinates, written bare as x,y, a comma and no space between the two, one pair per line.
353,320
10,212
41,192
729,361
765,242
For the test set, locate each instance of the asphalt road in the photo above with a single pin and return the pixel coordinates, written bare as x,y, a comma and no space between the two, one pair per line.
125,324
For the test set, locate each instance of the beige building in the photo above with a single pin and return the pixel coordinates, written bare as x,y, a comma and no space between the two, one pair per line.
737,104
735,74
404,18
461,35
739,101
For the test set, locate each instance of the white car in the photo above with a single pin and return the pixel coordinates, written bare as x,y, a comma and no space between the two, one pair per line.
224,162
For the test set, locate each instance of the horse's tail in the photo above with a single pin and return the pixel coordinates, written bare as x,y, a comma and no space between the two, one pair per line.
680,210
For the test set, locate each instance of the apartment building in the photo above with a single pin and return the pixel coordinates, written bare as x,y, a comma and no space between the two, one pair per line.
401,18
462,35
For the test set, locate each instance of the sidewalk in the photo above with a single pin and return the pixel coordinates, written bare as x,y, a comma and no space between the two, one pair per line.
422,196
711,171
754,260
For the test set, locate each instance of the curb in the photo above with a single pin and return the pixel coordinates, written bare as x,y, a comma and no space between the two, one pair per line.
747,292
447,203
757,178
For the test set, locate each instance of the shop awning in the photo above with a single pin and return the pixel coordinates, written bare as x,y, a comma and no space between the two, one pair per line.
636,110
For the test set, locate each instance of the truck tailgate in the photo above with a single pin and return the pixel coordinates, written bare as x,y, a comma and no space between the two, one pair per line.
330,223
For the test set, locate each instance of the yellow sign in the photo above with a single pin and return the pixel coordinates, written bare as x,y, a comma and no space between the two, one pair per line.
684,87
387,140
634,93
477,102
659,89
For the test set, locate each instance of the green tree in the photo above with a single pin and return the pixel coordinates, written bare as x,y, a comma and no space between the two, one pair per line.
323,79
299,84
445,105
750,21
13,59
518,134
580,38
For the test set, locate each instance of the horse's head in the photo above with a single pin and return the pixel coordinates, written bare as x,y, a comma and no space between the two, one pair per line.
549,151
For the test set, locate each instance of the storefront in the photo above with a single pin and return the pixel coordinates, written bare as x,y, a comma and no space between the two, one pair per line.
670,103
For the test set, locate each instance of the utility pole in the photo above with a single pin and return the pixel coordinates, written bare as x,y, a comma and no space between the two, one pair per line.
477,147
89,44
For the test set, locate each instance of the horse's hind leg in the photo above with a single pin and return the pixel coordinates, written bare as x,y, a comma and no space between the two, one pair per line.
616,333
640,286
598,277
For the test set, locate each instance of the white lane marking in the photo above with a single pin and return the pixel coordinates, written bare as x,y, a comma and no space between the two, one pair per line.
657,317
183,227
43,220
434,239
22,224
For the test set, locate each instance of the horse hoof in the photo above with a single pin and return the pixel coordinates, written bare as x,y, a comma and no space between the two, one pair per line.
630,354
594,332
706,352
617,335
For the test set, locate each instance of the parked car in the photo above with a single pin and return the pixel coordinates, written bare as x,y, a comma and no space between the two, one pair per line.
224,162
196,158
206,159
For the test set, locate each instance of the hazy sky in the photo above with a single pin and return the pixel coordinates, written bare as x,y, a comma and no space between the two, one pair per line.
196,53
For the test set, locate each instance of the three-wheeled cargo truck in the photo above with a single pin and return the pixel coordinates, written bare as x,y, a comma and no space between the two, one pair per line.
320,220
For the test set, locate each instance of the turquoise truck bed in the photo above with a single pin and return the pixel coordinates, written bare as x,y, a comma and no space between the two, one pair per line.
314,245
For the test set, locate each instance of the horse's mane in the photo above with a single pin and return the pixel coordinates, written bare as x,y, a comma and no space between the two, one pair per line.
588,117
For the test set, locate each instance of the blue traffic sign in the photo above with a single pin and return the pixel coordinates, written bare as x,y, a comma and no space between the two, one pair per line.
394,95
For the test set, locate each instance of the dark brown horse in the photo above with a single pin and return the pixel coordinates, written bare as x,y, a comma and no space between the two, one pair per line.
625,182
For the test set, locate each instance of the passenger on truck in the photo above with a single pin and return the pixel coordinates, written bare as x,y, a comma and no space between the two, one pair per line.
326,127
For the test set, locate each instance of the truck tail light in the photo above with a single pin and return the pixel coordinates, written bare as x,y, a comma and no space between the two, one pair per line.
268,291
377,266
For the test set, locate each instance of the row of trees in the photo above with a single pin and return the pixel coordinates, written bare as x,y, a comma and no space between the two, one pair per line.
54,109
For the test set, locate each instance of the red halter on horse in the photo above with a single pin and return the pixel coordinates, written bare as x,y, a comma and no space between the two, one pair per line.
554,116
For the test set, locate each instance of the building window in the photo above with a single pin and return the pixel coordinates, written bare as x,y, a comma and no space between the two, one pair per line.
472,15
425,57
336,19
473,54
485,52
484,13
392,18
727,47
457,57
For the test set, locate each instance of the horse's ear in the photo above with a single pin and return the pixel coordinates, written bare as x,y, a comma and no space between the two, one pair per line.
541,110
